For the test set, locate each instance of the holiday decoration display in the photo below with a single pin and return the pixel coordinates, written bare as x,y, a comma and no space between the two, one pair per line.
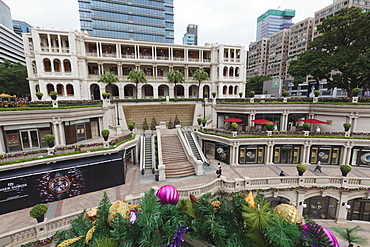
216,205
119,207
177,239
91,214
168,194
290,213
327,232
250,199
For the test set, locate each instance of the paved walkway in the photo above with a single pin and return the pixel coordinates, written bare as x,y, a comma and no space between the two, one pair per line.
137,184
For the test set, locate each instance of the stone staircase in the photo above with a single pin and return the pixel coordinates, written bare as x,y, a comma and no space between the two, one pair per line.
174,158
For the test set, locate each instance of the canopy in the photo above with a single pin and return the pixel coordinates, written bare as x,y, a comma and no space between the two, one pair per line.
234,120
262,121
313,121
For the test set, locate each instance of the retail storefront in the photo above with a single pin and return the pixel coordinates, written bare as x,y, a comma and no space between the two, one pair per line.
80,130
287,154
226,125
251,154
360,209
271,117
216,150
319,207
24,137
360,156
328,155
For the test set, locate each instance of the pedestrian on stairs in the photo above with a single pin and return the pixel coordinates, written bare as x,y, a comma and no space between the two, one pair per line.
219,170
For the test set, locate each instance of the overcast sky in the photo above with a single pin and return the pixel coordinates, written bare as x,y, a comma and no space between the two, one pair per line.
224,22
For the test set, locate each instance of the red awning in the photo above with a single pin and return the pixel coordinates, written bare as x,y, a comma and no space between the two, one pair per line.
234,120
313,121
262,121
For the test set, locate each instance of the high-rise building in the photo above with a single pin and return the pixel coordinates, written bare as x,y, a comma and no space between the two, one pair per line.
142,20
191,36
11,47
272,21
20,27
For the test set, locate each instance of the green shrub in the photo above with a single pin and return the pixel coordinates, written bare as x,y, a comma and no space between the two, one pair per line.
234,125
38,210
356,90
205,94
252,93
316,92
301,168
105,94
347,125
204,120
39,94
306,125
53,93
105,132
345,168
49,138
269,125
131,124
285,93
214,94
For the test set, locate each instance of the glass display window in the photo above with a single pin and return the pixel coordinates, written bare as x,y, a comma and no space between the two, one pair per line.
325,154
287,154
251,154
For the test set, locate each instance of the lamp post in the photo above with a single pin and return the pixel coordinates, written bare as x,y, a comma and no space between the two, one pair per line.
117,114
204,108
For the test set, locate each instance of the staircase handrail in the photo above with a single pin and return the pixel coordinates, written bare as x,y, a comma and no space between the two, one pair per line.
153,153
142,153
205,160
198,165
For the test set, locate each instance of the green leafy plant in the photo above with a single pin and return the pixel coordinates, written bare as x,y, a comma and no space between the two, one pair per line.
145,125
199,120
240,94
204,120
214,94
39,94
131,125
301,168
153,124
347,126
307,126
105,94
252,93
356,91
53,93
285,93
345,168
49,138
316,92
269,125
234,126
105,132
205,94
350,235
38,210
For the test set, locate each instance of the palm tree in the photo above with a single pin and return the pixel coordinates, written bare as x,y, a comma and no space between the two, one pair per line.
350,235
175,76
200,75
137,76
108,78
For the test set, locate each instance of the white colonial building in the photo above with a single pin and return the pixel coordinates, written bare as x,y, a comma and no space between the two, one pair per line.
71,63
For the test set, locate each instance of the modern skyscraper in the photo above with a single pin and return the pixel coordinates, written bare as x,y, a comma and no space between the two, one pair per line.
145,20
11,45
191,36
272,21
20,27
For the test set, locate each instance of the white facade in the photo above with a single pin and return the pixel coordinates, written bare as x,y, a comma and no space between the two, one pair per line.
71,63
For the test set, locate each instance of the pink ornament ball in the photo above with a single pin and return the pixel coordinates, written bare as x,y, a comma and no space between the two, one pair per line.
168,194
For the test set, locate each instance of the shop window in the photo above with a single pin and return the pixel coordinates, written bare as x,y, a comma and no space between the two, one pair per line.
327,155
320,207
251,155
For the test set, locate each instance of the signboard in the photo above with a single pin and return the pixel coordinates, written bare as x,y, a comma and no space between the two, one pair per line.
275,83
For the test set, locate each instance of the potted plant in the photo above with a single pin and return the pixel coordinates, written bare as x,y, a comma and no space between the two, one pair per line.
39,95
199,121
50,140
307,126
105,134
269,125
301,169
214,94
356,91
345,169
204,121
252,93
240,94
205,95
234,126
316,92
131,125
53,95
347,126
106,95
285,93
38,211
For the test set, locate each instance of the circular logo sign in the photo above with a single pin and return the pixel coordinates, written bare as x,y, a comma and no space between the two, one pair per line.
59,185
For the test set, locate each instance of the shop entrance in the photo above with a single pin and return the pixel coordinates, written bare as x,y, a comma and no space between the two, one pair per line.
360,210
29,139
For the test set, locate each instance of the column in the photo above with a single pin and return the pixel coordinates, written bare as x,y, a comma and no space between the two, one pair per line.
119,68
349,152
341,216
355,118
2,144
270,152
49,42
301,195
60,45
252,116
121,92
235,153
344,155
307,146
155,92
55,131
284,127
61,132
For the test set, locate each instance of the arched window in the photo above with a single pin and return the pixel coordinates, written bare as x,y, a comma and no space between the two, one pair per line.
237,71
56,64
47,65
60,89
224,90
70,91
37,88
231,72
225,71
236,90
34,68
67,65
50,87
230,90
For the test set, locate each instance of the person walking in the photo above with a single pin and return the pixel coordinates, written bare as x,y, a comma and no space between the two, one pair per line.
282,174
318,167
219,170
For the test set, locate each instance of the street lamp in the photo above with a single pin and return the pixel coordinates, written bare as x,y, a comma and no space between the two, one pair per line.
117,114
204,108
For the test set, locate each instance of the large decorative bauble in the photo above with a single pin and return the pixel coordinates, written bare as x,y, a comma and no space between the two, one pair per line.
289,212
168,195
119,207
328,233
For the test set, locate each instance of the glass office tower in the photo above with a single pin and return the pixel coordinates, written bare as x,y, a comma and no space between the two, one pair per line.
272,21
146,20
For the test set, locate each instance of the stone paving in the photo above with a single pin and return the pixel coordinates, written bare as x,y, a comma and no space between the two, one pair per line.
137,184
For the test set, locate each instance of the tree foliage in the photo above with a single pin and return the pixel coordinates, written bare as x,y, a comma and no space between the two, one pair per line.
199,76
137,76
350,235
340,55
13,79
175,77
108,78
256,84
